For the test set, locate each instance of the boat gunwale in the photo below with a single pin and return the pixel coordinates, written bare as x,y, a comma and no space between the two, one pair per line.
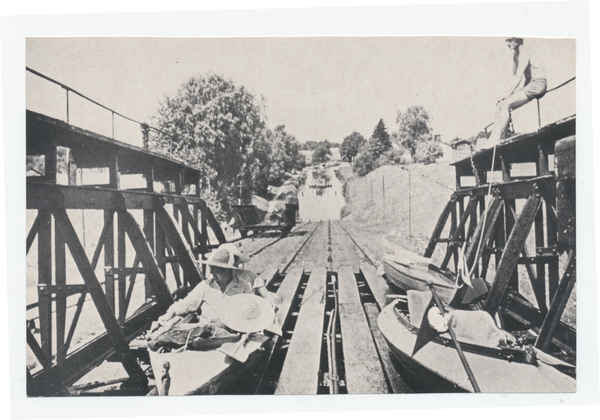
509,354
420,280
208,387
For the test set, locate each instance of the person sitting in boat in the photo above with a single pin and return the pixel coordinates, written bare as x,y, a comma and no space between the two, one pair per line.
527,68
228,278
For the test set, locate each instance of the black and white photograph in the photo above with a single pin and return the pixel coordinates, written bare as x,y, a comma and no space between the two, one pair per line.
309,215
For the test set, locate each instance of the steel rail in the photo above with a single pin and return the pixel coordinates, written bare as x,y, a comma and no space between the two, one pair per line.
334,385
333,374
356,244
329,351
284,270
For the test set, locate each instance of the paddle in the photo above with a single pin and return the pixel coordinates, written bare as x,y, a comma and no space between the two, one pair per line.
463,359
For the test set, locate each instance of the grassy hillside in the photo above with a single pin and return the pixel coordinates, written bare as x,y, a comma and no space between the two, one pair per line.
378,211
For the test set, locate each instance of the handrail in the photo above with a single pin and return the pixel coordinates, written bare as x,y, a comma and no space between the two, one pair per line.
538,101
113,112
562,84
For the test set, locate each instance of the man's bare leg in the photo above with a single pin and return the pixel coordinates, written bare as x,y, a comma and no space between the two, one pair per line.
514,101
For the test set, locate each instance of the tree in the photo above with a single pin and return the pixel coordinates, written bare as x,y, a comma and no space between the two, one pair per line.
414,127
320,155
260,166
214,126
351,146
284,154
379,143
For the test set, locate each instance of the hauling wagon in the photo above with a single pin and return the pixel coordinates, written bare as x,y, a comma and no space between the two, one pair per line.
278,214
251,218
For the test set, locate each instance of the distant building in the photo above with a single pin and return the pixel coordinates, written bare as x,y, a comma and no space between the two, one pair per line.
461,149
446,147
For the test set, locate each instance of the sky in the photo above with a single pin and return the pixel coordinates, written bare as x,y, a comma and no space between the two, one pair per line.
318,87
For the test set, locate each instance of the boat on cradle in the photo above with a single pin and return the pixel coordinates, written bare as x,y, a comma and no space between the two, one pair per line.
199,372
436,367
410,271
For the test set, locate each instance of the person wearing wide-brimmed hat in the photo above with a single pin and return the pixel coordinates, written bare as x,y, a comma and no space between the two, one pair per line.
529,70
227,278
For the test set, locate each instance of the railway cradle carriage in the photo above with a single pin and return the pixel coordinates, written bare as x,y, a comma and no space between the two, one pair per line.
529,183
534,172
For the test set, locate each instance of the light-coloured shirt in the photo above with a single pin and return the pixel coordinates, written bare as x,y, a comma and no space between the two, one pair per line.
207,295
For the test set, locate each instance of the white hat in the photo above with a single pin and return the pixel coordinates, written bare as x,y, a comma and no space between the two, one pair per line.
227,256
246,313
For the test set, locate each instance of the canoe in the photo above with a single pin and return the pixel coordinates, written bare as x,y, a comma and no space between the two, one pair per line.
413,272
436,367
194,372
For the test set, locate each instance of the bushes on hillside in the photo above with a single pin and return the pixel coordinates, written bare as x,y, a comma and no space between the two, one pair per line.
364,163
428,152
373,153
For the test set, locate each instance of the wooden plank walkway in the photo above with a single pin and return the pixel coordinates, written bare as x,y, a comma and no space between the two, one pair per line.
364,374
287,290
300,372
380,291
377,284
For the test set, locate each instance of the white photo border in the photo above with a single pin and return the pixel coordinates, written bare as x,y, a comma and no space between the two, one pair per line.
537,19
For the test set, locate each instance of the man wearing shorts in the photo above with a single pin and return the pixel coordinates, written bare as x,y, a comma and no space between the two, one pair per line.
527,68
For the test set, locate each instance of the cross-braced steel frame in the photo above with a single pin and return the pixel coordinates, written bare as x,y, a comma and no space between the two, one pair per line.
522,212
174,231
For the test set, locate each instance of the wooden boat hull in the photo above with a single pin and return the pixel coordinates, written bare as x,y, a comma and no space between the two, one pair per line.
438,368
415,277
210,372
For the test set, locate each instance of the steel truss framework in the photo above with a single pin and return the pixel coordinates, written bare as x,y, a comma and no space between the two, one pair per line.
500,227
178,238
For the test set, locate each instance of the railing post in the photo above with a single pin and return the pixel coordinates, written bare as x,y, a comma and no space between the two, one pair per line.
145,134
67,90
45,279
149,230
122,264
